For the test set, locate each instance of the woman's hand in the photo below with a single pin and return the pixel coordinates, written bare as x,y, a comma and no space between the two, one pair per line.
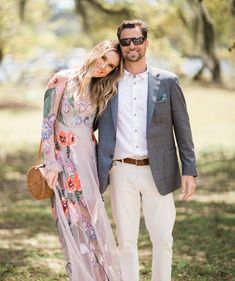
52,179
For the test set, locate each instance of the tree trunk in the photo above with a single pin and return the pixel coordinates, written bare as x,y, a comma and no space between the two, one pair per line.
22,4
204,36
233,7
208,45
1,55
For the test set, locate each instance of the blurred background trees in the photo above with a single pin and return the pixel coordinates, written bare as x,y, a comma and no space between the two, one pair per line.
195,39
191,37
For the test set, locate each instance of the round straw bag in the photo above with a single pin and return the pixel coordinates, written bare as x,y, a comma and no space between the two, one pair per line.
36,181
37,184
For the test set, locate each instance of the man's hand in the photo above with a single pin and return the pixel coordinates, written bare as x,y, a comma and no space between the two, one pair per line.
188,187
52,178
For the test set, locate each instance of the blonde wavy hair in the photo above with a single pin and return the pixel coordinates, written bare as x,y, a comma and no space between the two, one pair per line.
101,89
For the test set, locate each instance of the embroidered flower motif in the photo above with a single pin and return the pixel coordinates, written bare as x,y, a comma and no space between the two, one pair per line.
46,147
61,138
78,120
82,120
65,139
88,228
59,81
71,138
51,120
73,183
66,107
86,121
83,106
47,126
46,131
58,157
70,167
87,250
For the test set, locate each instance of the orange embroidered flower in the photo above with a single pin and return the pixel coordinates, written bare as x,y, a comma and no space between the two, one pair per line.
62,138
73,183
71,138
66,139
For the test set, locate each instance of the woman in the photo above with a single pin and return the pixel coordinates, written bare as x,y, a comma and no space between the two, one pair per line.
71,101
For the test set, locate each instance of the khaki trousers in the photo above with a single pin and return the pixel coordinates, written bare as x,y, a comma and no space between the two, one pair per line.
133,187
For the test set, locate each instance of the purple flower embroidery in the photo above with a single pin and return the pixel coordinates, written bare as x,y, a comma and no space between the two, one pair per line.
66,107
86,120
47,127
46,147
70,167
51,120
46,131
78,120
58,157
88,228
87,250
82,120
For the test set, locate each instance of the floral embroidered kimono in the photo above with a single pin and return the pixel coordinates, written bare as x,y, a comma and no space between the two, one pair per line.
69,148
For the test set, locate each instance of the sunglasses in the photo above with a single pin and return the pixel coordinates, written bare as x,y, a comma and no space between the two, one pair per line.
127,41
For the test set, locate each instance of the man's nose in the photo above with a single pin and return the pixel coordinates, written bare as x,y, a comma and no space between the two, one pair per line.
132,45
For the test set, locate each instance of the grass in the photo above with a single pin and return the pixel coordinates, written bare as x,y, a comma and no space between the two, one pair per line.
205,227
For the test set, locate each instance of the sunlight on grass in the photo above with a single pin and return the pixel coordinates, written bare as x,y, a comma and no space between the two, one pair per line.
204,230
212,118
20,129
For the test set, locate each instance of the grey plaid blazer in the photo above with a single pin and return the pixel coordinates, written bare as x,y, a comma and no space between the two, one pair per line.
167,121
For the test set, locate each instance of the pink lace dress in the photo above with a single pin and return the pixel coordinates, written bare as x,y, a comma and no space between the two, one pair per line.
69,148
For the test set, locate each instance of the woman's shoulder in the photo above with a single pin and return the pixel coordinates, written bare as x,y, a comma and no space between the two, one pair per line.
67,73
62,76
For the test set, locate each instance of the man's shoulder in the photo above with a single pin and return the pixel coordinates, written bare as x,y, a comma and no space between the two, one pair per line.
162,74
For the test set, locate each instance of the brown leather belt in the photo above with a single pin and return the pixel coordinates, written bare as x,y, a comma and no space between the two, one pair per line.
137,162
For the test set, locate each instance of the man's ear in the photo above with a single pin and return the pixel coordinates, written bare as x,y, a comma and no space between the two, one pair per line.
147,42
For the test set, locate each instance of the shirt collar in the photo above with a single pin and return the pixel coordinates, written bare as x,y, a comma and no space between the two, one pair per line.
141,76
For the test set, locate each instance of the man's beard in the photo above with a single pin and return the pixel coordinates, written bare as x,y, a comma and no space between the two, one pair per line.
133,59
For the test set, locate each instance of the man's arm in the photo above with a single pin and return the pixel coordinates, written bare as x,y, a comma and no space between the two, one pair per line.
184,140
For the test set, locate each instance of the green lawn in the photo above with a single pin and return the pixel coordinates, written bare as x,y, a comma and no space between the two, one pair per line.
205,227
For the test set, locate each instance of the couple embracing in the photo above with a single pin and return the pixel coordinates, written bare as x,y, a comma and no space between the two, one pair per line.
139,112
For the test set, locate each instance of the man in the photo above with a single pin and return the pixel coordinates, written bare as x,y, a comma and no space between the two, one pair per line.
137,154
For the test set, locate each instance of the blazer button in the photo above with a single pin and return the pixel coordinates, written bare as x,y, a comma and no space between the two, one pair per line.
111,156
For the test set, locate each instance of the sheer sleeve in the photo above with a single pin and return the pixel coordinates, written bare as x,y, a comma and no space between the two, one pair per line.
52,98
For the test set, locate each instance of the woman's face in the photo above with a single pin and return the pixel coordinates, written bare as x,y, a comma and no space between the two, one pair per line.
106,64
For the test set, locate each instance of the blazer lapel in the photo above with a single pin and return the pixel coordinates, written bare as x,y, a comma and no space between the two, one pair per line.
153,91
114,109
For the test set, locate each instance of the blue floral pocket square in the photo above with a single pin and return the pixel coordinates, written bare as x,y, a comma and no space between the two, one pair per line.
162,97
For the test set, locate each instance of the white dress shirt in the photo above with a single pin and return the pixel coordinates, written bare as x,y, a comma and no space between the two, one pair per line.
132,116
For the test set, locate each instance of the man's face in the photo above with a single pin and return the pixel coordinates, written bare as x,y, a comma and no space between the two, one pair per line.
133,53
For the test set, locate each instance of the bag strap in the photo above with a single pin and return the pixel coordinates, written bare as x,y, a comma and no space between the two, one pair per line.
40,146
39,153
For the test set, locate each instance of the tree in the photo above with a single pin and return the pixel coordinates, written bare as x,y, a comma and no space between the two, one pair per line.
22,5
93,13
203,33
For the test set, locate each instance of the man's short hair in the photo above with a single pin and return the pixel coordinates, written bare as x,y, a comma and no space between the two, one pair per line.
132,24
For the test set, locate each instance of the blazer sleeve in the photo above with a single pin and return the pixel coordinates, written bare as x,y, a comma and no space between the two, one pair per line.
52,98
182,129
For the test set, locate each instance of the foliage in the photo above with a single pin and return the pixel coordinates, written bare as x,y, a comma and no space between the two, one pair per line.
171,24
29,248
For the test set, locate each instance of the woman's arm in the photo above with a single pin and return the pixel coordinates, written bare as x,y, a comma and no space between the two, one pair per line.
52,98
